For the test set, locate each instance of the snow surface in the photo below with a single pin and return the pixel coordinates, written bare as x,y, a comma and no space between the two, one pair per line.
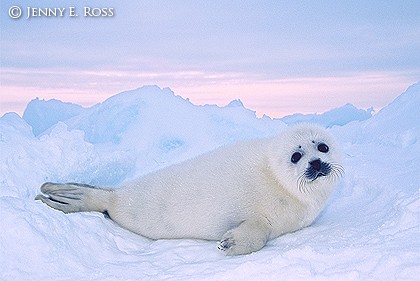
369,229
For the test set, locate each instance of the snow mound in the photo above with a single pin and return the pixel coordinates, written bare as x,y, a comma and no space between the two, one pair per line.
145,123
337,116
143,112
41,114
368,231
400,118
395,125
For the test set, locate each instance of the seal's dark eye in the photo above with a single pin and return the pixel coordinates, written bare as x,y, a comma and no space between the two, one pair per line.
322,147
296,157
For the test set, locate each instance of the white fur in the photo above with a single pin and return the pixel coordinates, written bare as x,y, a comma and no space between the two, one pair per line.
242,194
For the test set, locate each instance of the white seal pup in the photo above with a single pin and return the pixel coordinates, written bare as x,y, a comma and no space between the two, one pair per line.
241,194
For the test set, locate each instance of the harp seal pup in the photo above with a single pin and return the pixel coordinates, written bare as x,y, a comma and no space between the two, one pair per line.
242,194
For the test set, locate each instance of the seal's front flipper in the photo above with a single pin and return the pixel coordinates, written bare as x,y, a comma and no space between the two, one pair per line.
248,237
73,197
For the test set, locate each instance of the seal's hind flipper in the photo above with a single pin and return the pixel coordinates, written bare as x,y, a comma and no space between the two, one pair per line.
74,197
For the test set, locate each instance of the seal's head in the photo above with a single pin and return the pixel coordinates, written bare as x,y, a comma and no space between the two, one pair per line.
307,161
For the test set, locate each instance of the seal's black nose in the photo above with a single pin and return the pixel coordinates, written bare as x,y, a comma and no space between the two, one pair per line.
316,165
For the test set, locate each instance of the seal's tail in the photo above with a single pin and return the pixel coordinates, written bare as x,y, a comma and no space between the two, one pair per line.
74,197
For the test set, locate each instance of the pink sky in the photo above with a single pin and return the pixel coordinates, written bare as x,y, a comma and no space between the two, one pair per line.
275,98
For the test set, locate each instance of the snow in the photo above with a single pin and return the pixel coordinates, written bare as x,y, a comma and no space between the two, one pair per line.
368,231
41,114
337,116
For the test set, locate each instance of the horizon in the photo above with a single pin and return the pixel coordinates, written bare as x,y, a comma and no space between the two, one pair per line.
258,114
277,58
